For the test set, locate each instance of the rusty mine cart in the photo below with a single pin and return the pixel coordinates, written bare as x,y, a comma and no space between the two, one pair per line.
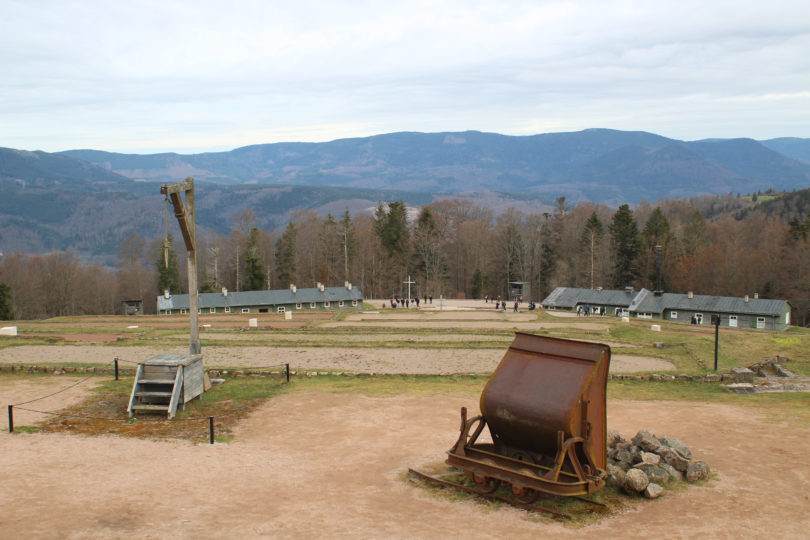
546,412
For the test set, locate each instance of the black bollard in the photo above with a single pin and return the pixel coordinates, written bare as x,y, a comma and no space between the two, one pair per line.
116,368
10,419
287,371
211,428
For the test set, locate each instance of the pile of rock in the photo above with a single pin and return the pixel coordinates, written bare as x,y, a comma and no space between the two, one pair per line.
647,462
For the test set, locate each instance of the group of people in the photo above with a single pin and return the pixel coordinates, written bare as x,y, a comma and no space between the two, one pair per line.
587,310
500,305
396,302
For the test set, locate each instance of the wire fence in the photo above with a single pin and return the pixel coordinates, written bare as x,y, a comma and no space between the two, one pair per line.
127,419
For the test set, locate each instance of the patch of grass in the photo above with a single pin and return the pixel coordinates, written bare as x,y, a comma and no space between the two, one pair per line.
105,412
791,407
581,512
27,429
392,385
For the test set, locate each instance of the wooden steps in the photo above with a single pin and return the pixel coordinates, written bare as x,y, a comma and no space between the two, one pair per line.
157,389
166,382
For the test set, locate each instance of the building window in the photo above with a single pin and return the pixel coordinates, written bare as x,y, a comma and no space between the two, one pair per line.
182,312
297,306
340,303
212,310
732,321
760,322
264,310
644,315
227,309
199,311
281,309
313,305
245,310
354,303
326,304
673,314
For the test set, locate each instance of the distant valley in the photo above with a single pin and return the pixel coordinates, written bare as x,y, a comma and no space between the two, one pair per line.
88,200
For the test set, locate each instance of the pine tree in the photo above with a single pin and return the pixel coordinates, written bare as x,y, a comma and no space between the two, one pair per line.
589,243
6,311
625,244
285,255
348,243
168,274
254,269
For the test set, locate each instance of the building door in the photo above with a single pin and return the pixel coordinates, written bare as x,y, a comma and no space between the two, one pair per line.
732,321
760,322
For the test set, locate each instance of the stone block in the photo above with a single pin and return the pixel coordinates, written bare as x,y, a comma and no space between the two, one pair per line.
8,331
743,375
635,481
653,491
699,470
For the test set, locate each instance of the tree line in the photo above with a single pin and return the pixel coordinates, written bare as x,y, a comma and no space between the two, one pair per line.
452,248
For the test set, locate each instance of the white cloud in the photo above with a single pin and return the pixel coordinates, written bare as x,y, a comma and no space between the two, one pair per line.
190,76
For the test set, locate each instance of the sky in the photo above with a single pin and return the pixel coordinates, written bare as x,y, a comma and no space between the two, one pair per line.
147,76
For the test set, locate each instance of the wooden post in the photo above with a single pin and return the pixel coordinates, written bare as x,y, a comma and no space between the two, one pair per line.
11,419
116,368
185,218
191,263
211,428
288,372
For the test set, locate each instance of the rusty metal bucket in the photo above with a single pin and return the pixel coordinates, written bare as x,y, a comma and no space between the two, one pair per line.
545,407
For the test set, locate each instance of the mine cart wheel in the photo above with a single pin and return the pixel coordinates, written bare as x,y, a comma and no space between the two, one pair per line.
486,484
523,494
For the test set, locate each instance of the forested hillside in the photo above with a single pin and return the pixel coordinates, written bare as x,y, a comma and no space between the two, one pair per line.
602,165
725,245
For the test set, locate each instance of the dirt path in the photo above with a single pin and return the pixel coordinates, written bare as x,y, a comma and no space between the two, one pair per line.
331,466
366,360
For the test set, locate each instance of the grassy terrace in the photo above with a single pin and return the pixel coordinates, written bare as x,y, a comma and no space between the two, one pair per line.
690,348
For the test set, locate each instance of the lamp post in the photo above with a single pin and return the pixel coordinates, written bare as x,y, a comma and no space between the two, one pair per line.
716,321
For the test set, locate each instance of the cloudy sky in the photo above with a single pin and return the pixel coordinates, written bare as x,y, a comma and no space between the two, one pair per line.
148,76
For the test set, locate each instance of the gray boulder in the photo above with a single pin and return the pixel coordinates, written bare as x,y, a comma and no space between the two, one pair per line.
650,459
654,473
677,445
635,481
653,491
699,470
646,441
674,458
614,437
615,476
674,474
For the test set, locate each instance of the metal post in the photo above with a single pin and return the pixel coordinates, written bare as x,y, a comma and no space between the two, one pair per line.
211,428
10,419
716,338
287,372
116,368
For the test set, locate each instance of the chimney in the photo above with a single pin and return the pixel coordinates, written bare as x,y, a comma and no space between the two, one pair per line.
756,295
348,286
166,294
746,298
292,288
320,287
224,291
628,290
690,295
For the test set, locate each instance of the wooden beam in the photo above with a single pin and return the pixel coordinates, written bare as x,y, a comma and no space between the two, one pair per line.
185,185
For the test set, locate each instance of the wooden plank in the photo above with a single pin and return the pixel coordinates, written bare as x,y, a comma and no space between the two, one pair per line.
172,359
150,407
176,393
135,388
193,381
156,381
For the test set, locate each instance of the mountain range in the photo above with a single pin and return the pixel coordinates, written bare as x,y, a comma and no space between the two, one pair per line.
88,199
